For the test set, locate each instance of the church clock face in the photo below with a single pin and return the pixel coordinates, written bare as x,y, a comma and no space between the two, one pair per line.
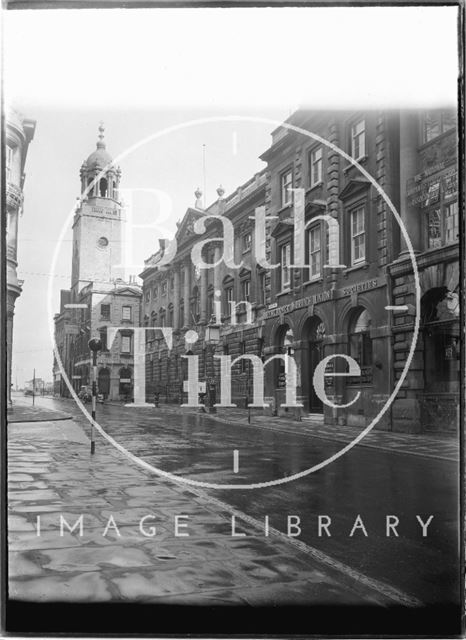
348,260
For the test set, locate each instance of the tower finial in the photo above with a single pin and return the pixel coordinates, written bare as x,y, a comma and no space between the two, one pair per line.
101,143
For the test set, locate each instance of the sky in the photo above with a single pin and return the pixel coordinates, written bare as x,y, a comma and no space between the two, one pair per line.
144,71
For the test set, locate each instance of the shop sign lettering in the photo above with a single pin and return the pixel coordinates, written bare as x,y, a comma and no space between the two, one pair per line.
299,304
360,286
427,192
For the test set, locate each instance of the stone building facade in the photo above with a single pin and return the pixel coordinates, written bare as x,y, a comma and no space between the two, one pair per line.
180,296
353,297
320,311
429,399
99,297
19,132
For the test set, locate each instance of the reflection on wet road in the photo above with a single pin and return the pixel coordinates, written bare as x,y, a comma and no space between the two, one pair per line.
365,482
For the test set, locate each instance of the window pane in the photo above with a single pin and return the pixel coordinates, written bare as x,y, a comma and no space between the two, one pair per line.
448,120
358,242
285,261
434,229
355,348
451,222
286,185
9,161
359,126
362,323
314,251
358,139
316,166
103,338
431,126
366,350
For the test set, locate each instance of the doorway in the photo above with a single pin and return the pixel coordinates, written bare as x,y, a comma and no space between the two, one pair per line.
104,382
314,335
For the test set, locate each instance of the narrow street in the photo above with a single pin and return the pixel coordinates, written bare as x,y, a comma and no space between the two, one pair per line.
366,482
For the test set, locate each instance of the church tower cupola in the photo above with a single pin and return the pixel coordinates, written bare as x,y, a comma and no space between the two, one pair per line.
100,163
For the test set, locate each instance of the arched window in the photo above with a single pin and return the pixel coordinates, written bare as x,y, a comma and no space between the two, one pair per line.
103,187
163,317
360,342
284,338
171,317
228,284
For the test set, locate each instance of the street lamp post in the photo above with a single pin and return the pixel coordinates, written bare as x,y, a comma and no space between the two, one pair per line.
212,338
95,345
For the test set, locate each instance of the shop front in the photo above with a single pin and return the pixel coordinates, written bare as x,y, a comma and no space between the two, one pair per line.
125,387
332,326
441,339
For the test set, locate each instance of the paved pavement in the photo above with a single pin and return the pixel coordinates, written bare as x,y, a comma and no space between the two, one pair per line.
398,570
25,411
51,475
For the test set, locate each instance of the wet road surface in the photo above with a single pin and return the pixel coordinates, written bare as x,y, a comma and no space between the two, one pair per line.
371,484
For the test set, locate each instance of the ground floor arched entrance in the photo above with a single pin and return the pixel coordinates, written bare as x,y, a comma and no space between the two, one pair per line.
313,336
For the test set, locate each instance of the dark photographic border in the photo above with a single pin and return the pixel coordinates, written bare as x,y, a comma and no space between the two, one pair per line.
127,620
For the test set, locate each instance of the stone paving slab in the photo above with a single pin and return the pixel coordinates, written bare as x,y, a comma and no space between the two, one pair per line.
207,567
22,413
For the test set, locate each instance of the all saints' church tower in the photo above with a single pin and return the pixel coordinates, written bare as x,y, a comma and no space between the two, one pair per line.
97,225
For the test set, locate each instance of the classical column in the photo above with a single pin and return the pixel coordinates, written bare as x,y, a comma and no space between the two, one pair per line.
203,309
109,185
217,270
187,293
176,299
409,133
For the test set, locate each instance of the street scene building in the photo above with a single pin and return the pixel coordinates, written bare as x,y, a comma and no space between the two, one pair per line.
181,296
98,297
19,131
430,397
320,310
253,314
